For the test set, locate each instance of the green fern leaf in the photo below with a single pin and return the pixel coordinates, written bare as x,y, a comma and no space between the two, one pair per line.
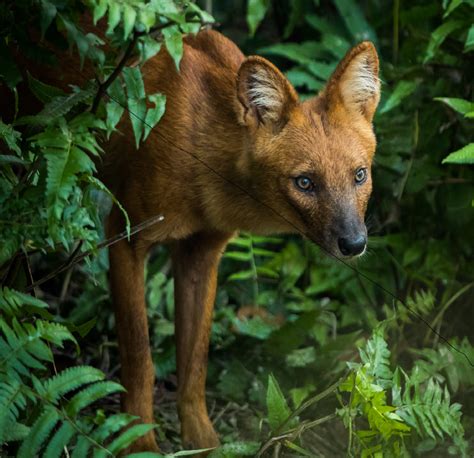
15,351
278,410
91,394
59,440
377,355
12,401
125,440
69,380
58,107
82,447
111,425
12,301
38,433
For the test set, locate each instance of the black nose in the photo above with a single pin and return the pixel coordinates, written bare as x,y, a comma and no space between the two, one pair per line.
352,246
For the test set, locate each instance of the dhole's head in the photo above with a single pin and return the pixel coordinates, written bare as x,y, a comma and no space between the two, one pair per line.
311,161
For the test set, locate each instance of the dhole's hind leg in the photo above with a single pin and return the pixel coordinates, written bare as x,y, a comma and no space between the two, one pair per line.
128,291
195,263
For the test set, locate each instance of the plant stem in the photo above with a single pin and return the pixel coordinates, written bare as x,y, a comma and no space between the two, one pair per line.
396,22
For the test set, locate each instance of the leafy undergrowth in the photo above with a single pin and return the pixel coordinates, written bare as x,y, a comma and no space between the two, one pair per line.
308,357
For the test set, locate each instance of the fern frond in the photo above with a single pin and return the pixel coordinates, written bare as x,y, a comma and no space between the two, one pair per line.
377,355
82,447
125,439
12,301
59,440
22,349
442,363
12,402
421,303
24,346
111,425
91,394
38,433
429,411
68,380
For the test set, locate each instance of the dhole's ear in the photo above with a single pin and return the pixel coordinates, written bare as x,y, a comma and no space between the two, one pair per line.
265,94
355,82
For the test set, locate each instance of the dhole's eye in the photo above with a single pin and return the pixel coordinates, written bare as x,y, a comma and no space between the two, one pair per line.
304,184
361,175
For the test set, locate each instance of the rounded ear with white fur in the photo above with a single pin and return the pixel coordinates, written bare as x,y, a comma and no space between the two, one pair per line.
355,82
266,96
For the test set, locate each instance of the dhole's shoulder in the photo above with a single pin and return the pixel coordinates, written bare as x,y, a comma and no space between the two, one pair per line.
217,47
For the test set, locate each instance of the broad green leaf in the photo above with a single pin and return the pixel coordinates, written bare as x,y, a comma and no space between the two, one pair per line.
48,13
301,53
99,8
469,44
11,137
353,16
148,47
455,4
135,100
129,17
116,106
402,90
460,105
256,10
277,407
114,15
439,35
154,114
298,395
255,327
299,77
296,13
134,82
204,15
464,155
174,43
242,275
43,92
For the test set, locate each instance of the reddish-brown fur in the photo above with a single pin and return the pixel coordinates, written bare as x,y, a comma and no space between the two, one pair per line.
224,158
234,146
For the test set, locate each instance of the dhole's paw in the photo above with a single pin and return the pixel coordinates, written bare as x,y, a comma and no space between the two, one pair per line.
197,432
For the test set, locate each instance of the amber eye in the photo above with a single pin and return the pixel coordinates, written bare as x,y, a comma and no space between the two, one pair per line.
304,183
360,175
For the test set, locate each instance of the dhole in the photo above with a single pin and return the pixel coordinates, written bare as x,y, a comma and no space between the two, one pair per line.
235,150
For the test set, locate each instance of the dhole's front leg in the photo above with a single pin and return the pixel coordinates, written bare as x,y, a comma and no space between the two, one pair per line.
195,262
128,290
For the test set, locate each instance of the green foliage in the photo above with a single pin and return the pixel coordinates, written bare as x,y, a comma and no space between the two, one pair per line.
38,411
51,200
256,10
278,410
284,311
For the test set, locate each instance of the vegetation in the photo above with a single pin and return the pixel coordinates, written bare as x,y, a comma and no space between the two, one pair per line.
309,357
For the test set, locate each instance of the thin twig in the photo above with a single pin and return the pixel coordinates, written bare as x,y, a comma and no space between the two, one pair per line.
102,90
106,243
312,401
117,70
